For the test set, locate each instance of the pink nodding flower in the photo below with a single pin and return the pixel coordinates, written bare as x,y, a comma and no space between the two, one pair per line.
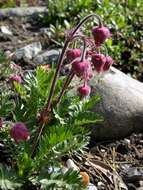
100,34
108,63
72,54
80,68
19,132
84,90
16,78
98,61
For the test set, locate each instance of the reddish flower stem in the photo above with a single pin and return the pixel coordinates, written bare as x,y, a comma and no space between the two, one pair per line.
67,82
60,62
71,74
61,58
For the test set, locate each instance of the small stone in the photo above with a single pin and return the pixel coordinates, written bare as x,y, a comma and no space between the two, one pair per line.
100,184
6,30
127,141
71,165
8,53
91,187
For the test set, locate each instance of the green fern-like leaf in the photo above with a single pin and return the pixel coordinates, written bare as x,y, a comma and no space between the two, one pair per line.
8,179
6,104
61,140
71,180
87,118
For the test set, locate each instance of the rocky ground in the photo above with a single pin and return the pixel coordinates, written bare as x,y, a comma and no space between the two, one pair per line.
112,165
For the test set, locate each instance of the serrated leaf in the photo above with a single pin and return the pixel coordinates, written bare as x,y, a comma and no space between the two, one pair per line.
8,179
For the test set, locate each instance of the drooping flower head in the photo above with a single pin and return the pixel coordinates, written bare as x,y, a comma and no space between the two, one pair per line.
16,78
100,34
84,90
73,54
98,61
19,132
80,68
108,63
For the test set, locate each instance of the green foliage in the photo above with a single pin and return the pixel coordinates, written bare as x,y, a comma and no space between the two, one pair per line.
8,178
6,104
32,95
62,140
7,4
124,18
69,181
4,66
64,9
66,134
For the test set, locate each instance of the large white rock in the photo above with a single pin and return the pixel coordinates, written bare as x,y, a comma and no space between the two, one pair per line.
121,105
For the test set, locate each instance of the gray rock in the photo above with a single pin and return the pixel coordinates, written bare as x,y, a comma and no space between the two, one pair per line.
22,11
121,105
47,57
91,187
29,51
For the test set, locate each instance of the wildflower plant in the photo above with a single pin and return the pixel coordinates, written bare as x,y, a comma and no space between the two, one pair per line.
46,123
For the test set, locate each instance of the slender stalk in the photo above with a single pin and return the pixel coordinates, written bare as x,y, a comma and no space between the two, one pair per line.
67,82
85,19
60,61
36,140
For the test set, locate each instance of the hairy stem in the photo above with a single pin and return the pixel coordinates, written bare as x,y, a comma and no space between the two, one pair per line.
60,62
67,82
85,19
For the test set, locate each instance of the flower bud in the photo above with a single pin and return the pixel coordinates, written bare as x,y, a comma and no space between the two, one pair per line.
98,61
84,90
16,78
80,67
100,34
19,132
108,63
72,54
